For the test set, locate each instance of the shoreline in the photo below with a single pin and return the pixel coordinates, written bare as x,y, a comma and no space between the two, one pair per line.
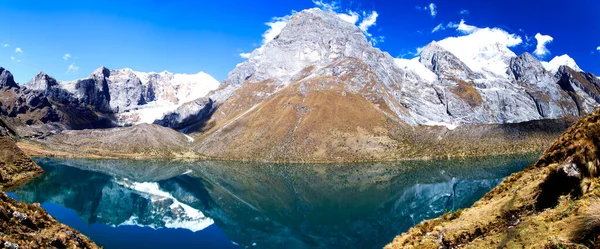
32,150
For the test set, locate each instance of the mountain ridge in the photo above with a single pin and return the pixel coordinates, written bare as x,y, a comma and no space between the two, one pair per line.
268,108
321,91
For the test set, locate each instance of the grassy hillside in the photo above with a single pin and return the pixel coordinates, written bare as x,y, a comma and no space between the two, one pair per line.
25,225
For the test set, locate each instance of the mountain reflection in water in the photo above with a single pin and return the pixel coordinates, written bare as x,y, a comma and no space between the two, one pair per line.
259,205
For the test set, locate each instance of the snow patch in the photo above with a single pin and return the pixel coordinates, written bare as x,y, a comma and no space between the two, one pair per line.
484,50
416,67
563,60
447,125
190,139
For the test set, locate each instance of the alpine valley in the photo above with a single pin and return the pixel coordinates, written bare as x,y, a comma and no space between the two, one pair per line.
319,91
319,139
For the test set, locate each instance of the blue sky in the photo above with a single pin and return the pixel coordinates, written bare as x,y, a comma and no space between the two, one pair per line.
192,36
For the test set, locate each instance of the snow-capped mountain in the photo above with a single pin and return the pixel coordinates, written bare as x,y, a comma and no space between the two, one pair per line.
319,84
322,70
563,60
134,97
469,79
484,51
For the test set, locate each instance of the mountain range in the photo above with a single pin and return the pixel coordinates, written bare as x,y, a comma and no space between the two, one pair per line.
318,91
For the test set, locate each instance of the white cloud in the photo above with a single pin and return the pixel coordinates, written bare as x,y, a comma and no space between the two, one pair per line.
465,28
441,26
12,58
598,48
368,21
351,17
18,50
438,28
5,45
464,12
275,26
72,68
542,41
329,7
432,9
483,50
66,56
245,55
377,39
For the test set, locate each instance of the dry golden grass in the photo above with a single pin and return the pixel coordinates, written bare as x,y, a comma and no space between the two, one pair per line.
15,167
467,92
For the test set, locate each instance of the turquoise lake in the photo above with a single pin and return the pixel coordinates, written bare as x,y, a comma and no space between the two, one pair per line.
209,204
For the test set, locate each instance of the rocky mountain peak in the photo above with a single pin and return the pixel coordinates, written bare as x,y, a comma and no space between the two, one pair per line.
316,22
525,64
42,82
7,79
311,38
444,63
101,72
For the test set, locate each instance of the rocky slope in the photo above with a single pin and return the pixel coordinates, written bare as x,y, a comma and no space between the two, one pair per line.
320,91
28,225
107,98
138,97
140,141
552,204
34,112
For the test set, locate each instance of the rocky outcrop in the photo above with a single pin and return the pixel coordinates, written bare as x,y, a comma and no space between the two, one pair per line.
445,64
550,100
192,115
41,107
42,82
6,79
137,97
29,226
551,204
94,91
583,88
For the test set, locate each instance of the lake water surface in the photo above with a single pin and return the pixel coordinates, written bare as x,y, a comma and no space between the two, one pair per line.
207,204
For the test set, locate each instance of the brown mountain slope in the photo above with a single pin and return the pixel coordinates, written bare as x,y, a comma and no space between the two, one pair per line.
553,204
328,118
305,121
